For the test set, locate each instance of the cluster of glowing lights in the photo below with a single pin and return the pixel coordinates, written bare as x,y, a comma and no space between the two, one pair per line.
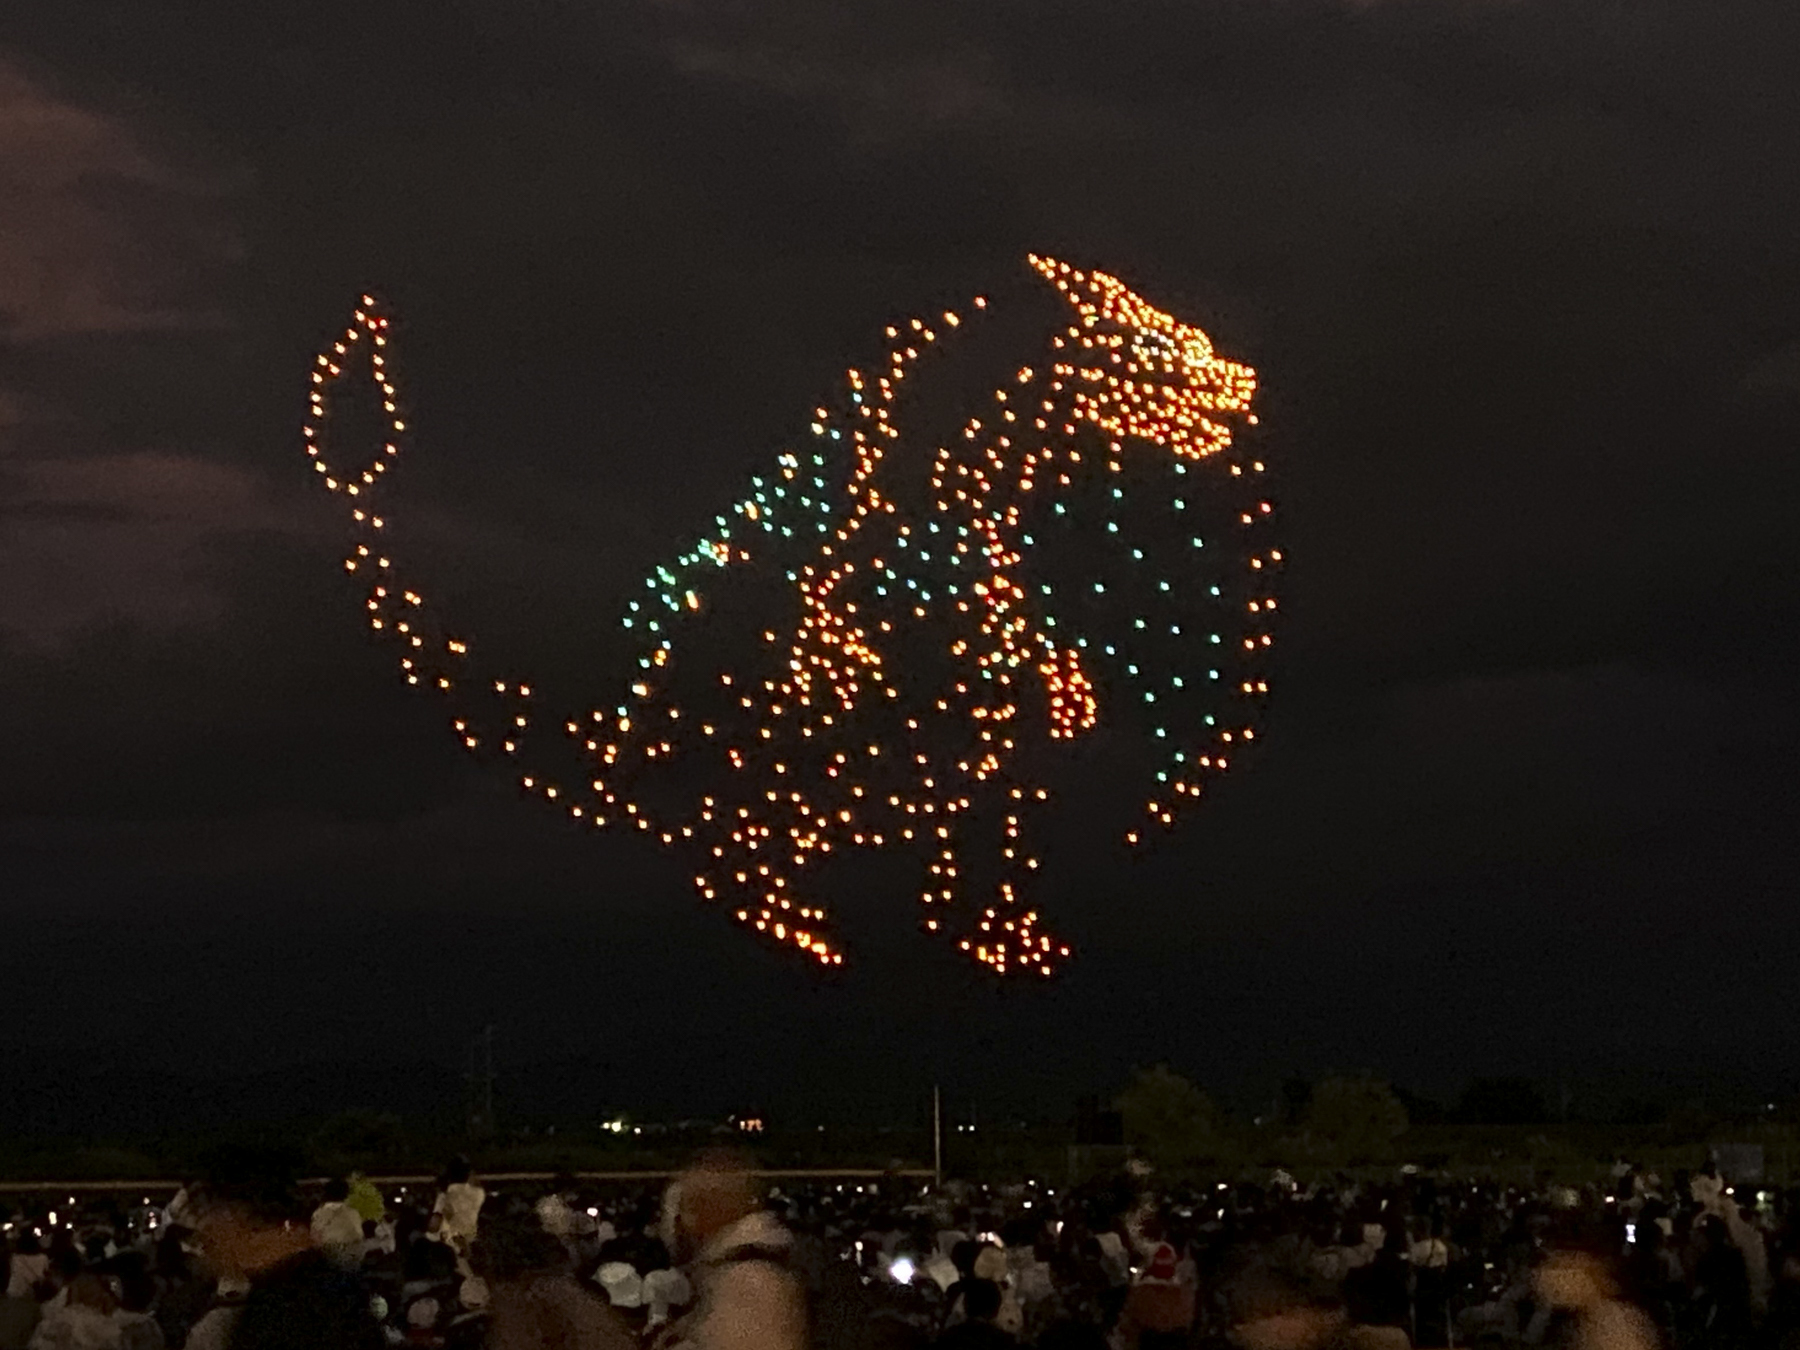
919,643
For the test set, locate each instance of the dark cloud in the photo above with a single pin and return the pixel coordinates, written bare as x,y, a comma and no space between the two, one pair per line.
1519,278
108,538
105,237
882,98
106,243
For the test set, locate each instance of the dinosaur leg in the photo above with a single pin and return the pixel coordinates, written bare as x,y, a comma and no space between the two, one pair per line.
1006,934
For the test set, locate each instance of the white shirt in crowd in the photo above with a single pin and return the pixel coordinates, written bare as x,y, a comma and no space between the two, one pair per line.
746,1304
76,1327
460,1209
27,1269
213,1331
138,1331
336,1226
1429,1254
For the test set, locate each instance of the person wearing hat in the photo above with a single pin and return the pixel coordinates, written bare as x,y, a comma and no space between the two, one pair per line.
1159,1307
533,1299
624,1287
991,1265
748,1296
337,1228
665,1290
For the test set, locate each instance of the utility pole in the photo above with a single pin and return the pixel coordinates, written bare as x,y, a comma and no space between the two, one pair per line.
937,1137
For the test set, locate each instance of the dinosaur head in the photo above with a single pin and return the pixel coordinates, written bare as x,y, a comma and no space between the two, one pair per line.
1137,372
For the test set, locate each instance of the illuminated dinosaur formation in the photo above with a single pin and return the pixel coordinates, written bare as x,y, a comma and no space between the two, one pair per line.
865,649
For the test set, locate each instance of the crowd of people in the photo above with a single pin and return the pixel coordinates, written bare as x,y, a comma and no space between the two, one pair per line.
716,1261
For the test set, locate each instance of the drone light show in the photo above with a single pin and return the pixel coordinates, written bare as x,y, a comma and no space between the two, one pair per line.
884,639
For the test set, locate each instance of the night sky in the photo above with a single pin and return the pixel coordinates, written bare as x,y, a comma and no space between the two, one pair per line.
1521,278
